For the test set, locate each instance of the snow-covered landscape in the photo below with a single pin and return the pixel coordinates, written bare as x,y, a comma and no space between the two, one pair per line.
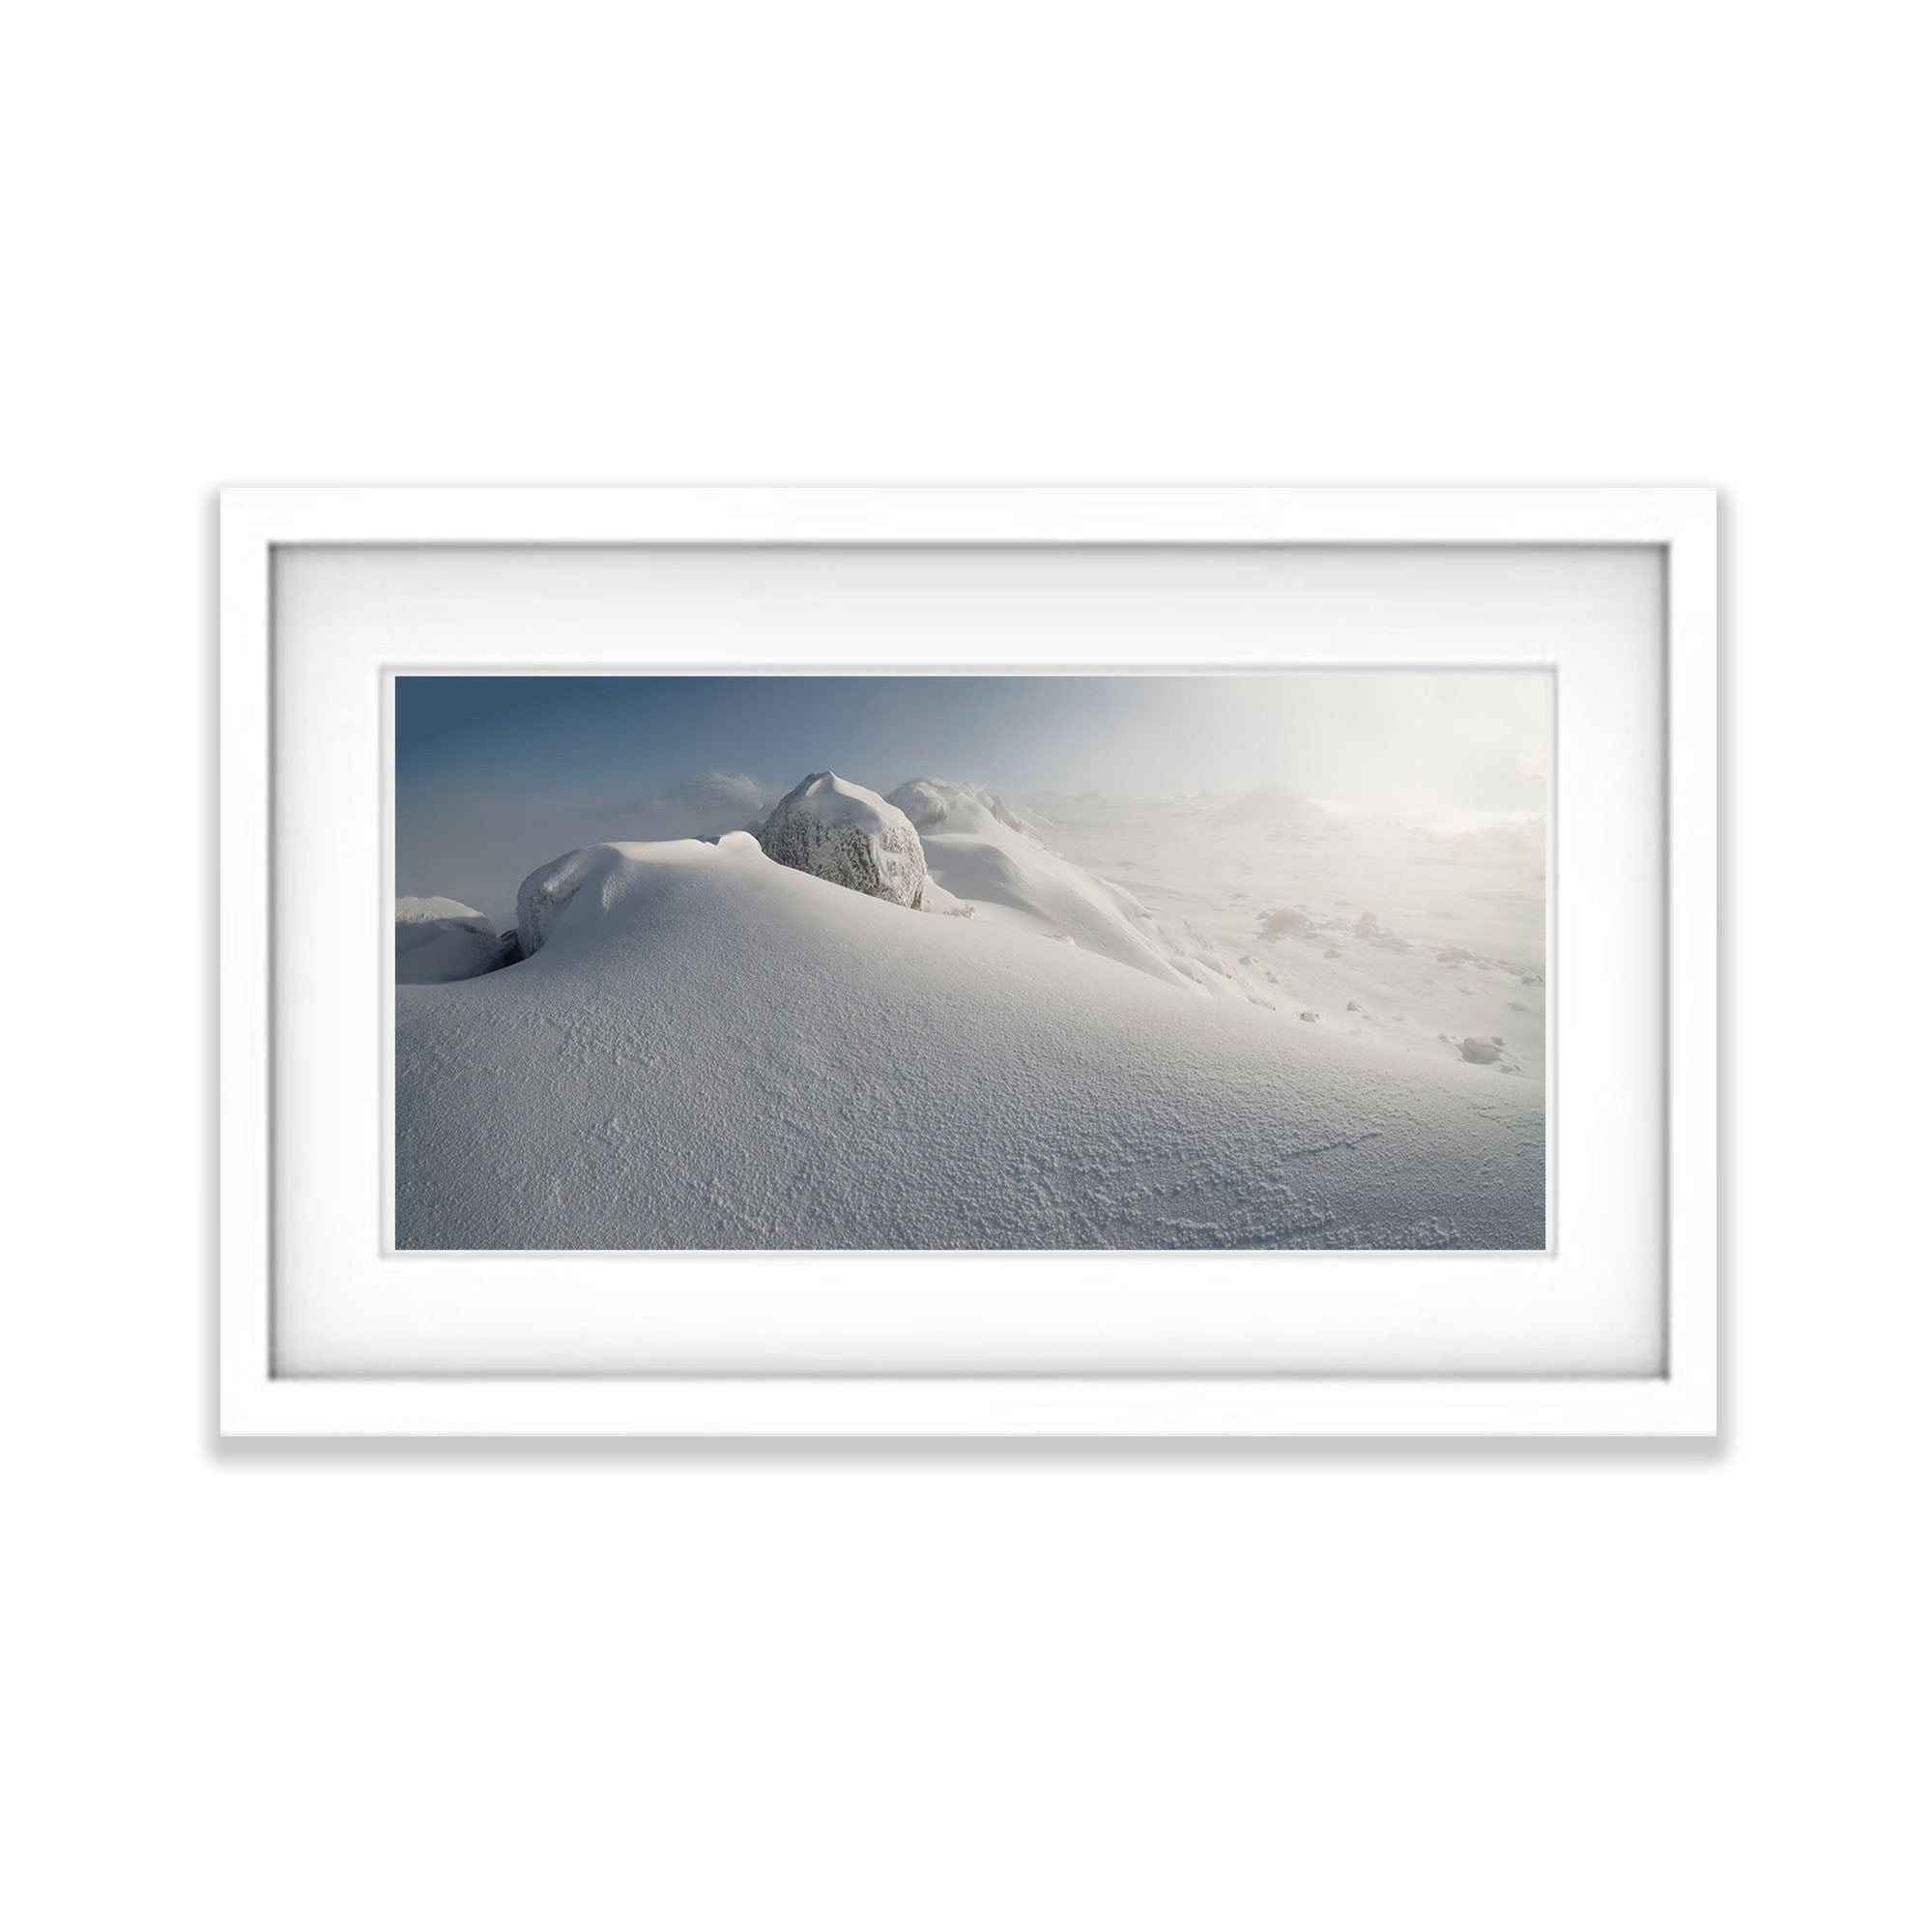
883,1009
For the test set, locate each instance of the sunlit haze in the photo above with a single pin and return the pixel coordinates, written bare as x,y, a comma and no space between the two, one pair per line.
495,774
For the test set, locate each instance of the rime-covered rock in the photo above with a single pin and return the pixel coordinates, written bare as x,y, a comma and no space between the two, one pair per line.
840,831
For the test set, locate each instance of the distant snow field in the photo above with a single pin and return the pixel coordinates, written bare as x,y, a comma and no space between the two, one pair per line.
940,1018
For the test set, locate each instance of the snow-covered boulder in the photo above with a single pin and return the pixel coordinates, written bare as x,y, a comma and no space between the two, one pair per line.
837,831
593,879
942,805
442,939
542,897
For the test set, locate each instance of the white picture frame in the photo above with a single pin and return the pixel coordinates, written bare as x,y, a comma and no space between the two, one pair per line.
1675,1396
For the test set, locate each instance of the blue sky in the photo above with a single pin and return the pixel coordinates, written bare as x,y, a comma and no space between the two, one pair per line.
495,774
1349,734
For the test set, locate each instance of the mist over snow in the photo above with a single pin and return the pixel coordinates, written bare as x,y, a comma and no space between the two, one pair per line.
908,1004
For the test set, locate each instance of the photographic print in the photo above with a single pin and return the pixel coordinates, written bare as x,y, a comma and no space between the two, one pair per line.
971,962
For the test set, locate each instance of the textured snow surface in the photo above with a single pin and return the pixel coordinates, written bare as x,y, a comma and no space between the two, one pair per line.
442,939
1406,931
980,852
840,831
710,1049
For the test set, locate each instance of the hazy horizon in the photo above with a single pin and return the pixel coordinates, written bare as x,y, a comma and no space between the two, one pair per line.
495,774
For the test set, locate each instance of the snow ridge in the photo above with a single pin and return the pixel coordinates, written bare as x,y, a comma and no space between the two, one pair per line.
991,858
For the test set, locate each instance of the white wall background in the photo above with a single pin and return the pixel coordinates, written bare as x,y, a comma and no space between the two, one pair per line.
997,243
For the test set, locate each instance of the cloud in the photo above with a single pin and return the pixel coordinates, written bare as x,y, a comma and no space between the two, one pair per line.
699,808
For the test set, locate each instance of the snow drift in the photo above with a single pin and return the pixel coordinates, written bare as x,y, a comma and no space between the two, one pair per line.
709,1050
442,939
842,832
939,805
982,852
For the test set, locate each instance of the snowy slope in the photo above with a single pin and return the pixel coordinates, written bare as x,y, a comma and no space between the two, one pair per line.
1409,931
712,1050
981,852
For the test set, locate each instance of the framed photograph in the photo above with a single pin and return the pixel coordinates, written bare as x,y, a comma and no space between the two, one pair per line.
970,963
